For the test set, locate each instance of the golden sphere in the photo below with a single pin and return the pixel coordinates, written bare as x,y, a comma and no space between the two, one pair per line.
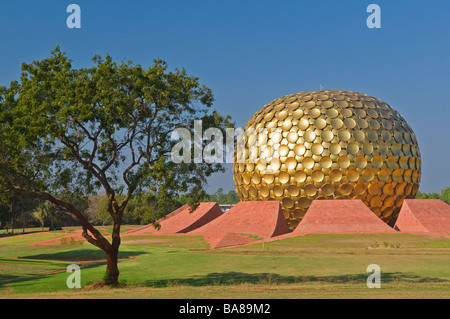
328,145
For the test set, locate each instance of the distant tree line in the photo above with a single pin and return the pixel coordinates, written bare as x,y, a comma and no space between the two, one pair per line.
219,196
18,213
444,195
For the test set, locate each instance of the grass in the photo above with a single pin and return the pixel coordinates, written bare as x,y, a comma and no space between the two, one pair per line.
308,290
182,266
20,240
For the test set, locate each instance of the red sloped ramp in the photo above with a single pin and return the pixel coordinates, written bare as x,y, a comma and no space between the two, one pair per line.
182,221
149,228
244,223
340,216
424,216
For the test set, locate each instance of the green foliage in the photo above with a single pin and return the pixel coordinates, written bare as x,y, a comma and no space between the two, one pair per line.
427,195
444,195
108,126
143,208
48,214
15,208
56,226
69,133
70,241
101,213
221,198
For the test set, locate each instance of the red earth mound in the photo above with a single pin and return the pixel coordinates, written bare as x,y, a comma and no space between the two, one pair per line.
182,220
244,223
340,216
424,216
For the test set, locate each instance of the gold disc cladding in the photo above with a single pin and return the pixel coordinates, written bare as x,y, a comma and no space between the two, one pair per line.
329,144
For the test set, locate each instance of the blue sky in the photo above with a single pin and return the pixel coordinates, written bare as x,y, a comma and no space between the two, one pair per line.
252,52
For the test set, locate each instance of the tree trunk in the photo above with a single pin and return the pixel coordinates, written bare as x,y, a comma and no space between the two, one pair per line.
112,254
91,234
12,218
112,269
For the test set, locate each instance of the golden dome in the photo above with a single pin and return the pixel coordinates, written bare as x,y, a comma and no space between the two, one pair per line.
324,145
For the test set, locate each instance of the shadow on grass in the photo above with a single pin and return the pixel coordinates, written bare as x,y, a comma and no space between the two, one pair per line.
14,279
18,233
233,278
86,258
83,255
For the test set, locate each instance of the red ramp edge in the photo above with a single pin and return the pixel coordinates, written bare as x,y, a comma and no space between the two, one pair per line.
246,222
182,220
340,216
424,216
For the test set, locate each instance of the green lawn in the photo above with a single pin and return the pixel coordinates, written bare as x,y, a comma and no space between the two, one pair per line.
181,266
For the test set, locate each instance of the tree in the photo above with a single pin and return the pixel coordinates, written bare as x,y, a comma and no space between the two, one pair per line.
142,209
221,198
46,212
232,197
10,202
102,213
93,207
445,195
103,128
24,211
40,214
4,214
420,195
